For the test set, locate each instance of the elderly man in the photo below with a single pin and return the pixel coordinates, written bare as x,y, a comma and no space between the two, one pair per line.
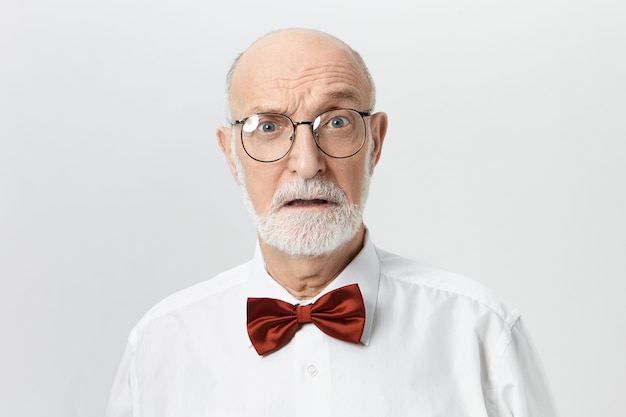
321,322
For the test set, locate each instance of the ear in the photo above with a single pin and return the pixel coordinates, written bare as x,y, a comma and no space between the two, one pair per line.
378,128
223,139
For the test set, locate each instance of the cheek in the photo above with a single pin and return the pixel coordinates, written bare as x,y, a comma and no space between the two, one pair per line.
356,189
260,196
351,182
261,184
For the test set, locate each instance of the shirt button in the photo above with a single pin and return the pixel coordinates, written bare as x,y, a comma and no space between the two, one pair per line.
312,370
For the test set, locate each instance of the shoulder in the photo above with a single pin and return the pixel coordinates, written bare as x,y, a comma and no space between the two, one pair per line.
214,288
417,277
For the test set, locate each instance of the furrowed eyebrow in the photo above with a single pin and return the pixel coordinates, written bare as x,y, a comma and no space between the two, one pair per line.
257,109
347,94
343,95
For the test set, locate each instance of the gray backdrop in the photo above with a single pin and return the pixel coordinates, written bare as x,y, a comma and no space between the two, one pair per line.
504,161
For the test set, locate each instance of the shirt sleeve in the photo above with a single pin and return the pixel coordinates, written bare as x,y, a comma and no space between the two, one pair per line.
521,387
121,397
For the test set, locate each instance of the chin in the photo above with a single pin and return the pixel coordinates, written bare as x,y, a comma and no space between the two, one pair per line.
310,235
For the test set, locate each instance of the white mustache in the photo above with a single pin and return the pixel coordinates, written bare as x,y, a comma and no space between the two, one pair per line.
316,188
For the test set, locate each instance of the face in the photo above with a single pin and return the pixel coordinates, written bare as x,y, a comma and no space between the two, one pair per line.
306,204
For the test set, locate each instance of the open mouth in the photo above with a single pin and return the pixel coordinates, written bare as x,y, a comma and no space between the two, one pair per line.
311,202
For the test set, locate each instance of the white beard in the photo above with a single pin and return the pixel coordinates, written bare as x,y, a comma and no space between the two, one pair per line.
309,233
303,232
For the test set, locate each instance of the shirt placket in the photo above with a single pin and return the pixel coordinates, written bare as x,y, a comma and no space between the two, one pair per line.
313,374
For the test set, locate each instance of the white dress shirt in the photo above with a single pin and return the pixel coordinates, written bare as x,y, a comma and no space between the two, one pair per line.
434,344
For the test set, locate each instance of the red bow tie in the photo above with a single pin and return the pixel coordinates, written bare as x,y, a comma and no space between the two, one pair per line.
339,313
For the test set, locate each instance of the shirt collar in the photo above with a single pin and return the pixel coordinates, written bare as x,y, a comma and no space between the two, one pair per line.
364,270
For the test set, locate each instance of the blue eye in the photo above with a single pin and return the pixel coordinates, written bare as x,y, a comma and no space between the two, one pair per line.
268,127
338,122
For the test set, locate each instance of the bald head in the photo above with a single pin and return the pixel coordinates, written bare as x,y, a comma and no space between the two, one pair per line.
296,59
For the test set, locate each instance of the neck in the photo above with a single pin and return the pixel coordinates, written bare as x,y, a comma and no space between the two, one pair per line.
306,277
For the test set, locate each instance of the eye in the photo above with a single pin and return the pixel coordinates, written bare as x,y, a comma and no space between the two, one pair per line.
268,127
338,122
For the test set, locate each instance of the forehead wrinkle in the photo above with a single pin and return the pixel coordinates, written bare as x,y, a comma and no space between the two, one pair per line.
307,90
312,77
289,88
326,99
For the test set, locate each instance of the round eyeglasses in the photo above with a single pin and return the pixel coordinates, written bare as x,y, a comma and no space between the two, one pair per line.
268,137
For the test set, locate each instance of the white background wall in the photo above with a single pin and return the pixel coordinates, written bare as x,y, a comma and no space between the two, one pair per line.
505,161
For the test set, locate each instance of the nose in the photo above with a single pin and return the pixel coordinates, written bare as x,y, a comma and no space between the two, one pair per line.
305,158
